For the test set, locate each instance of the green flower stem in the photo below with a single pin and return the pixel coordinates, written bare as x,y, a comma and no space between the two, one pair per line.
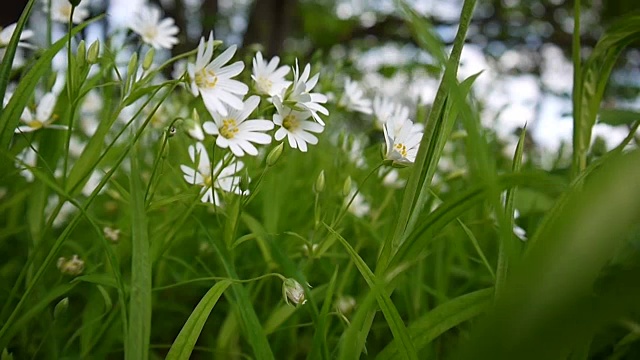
218,278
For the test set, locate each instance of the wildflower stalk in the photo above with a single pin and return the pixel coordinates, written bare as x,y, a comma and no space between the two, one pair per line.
344,209
166,135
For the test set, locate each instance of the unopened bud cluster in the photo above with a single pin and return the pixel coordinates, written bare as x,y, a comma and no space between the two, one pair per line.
73,266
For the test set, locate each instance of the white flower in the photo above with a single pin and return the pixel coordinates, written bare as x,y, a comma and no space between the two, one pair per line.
355,151
298,94
234,131
295,126
385,109
353,98
268,77
7,33
402,139
155,31
27,159
43,117
90,112
211,180
391,178
61,11
359,206
212,80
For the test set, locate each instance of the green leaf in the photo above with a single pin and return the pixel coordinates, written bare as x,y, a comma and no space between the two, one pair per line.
320,349
139,333
436,131
252,329
553,300
10,116
595,76
186,340
507,245
396,325
617,117
443,318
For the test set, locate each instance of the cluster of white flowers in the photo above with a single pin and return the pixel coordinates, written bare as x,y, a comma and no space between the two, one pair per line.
402,137
239,124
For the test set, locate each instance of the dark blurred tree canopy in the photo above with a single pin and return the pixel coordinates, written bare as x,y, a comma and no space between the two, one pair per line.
306,27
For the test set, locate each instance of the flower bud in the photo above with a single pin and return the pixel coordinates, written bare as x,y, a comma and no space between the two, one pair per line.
346,187
319,185
148,59
194,127
112,234
94,52
75,3
73,266
60,308
275,154
81,54
345,304
133,64
293,291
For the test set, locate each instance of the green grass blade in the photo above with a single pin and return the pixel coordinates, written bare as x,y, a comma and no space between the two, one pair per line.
476,246
434,136
443,318
354,339
9,55
594,79
396,325
507,246
553,299
458,205
35,310
320,349
186,340
253,330
139,332
10,116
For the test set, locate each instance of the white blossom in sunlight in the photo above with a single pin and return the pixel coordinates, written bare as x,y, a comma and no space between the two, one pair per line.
25,159
212,180
235,132
359,206
355,152
385,109
402,139
43,116
65,212
153,29
391,178
295,126
5,36
213,81
61,11
7,32
268,77
353,98
90,112
299,94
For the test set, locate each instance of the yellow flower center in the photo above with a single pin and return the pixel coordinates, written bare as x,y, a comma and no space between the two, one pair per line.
291,122
264,84
208,181
229,128
402,149
35,124
206,79
150,33
65,10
